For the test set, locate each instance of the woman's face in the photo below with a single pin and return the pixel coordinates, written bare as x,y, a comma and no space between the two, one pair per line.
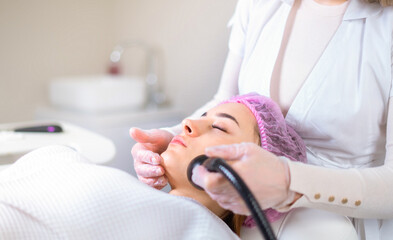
225,124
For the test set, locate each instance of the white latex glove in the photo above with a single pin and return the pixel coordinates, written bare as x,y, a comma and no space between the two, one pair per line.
266,175
146,153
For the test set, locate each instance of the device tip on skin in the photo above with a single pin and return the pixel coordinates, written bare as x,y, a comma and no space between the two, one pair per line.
209,163
199,160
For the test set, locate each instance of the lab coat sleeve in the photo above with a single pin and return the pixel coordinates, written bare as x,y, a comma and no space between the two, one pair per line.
360,193
229,79
391,87
239,24
228,88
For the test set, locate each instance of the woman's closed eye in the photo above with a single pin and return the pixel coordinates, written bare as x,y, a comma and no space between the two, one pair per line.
219,128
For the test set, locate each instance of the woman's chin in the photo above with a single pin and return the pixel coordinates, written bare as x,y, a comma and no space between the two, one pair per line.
169,158
175,168
169,164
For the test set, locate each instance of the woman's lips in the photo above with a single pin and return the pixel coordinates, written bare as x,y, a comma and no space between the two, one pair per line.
178,140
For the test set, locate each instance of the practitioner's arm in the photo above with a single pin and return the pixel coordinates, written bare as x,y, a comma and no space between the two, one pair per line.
361,193
229,79
145,153
228,87
151,143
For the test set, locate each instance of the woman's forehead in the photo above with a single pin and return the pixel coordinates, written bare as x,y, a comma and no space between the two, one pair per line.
237,110
230,108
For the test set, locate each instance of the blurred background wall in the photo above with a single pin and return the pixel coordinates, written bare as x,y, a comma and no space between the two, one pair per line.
45,39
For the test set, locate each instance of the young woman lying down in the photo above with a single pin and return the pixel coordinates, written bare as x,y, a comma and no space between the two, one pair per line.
54,193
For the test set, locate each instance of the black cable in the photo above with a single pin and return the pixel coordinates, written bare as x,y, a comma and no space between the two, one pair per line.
219,165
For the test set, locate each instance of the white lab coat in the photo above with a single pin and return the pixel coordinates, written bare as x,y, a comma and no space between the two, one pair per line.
341,111
349,86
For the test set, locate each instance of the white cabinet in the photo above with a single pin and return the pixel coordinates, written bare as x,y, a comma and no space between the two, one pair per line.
115,126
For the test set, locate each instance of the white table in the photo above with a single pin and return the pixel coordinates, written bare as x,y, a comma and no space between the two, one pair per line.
93,146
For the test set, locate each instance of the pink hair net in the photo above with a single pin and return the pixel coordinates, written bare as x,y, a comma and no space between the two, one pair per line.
276,135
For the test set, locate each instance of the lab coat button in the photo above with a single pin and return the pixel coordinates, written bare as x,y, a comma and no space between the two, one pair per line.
358,202
331,198
317,196
344,200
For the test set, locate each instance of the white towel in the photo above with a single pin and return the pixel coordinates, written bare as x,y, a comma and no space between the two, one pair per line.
53,193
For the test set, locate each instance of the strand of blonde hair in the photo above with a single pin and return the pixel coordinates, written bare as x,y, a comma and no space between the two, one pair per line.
384,3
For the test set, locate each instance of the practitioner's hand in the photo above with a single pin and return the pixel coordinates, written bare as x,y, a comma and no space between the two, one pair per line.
146,153
264,173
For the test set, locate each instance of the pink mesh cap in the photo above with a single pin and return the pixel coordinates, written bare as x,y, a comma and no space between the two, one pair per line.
276,135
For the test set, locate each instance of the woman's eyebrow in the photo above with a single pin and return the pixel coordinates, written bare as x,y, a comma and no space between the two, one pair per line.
226,115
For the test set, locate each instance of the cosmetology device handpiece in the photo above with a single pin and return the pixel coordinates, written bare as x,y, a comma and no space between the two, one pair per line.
219,165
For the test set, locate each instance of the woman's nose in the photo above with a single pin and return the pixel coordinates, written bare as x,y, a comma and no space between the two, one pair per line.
191,127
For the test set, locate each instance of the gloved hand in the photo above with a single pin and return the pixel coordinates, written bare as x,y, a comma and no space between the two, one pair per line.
266,175
146,153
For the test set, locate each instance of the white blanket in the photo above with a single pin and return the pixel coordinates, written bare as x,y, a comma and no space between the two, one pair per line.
53,193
